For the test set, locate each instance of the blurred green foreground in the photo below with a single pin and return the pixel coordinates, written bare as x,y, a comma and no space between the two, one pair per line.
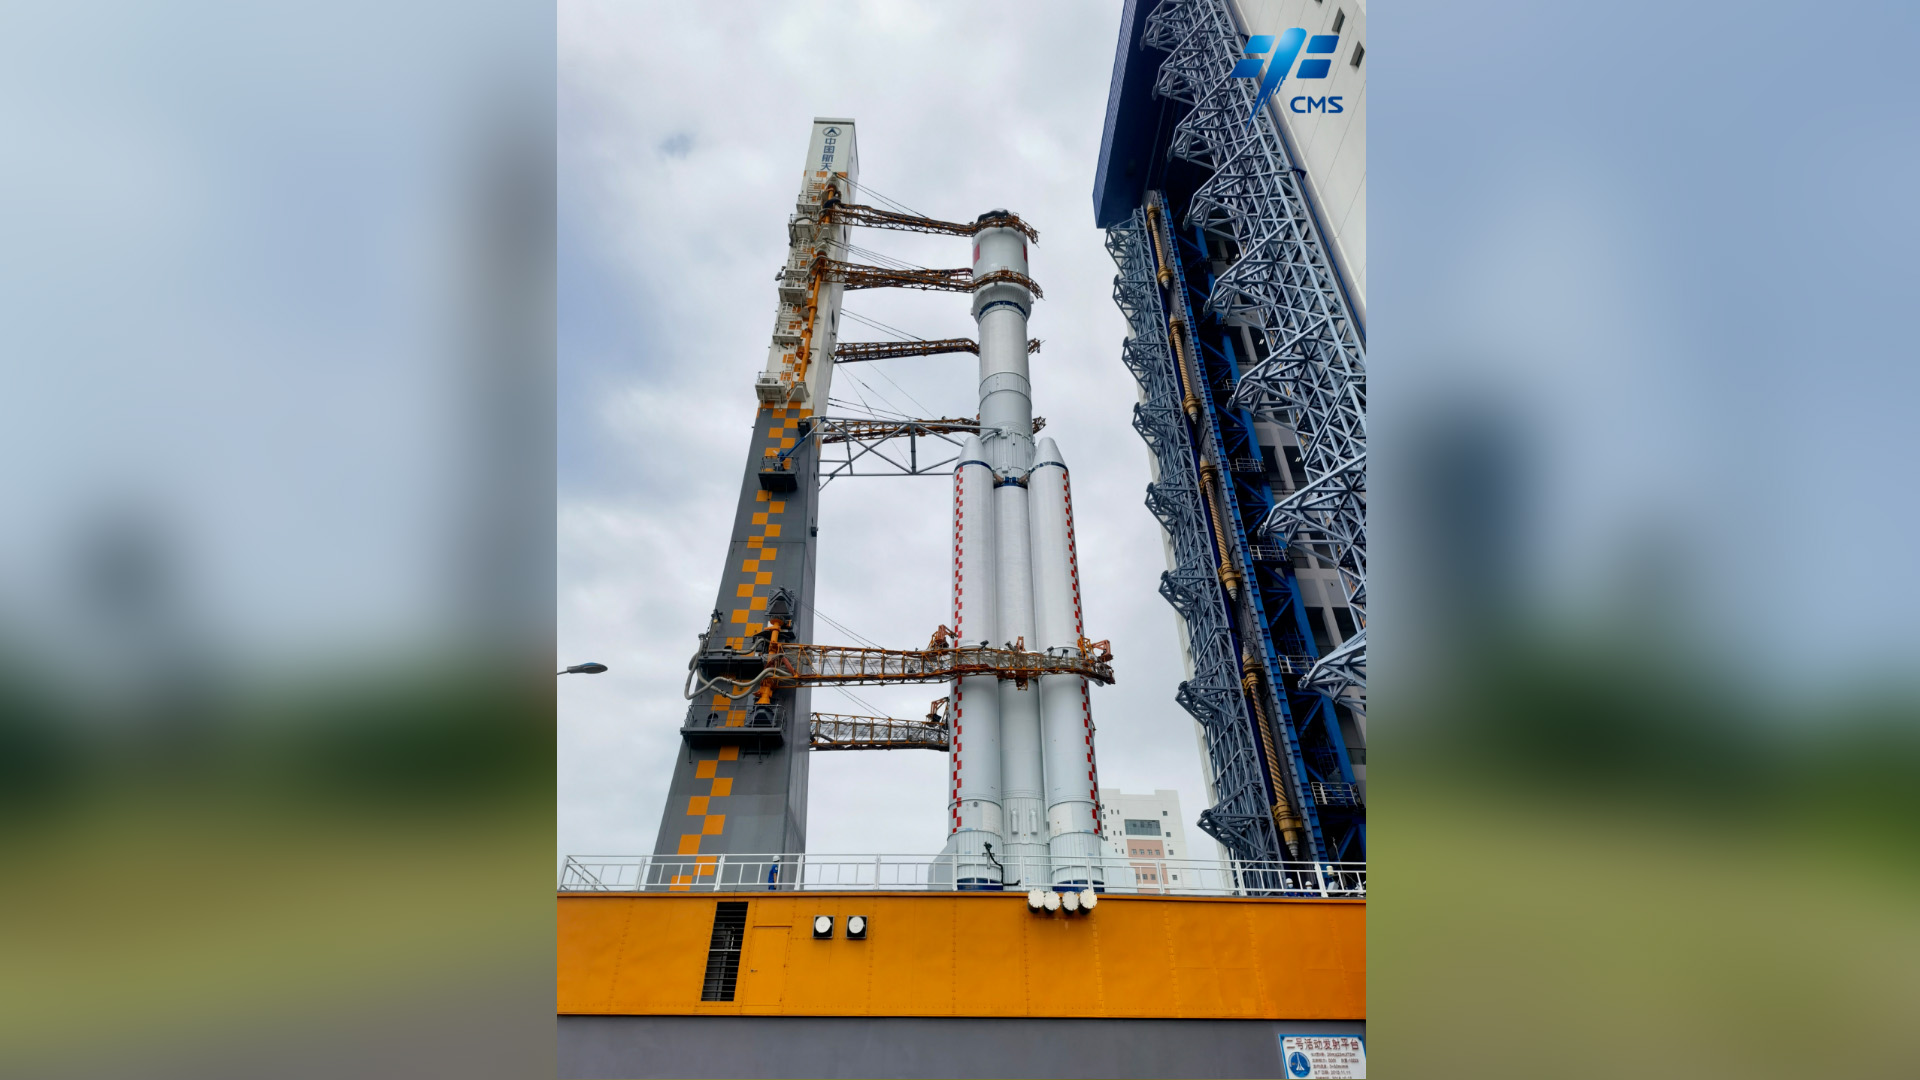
349,873
1588,863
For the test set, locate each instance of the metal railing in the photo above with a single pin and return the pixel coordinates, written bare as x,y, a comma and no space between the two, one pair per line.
855,665
791,664
1333,793
758,718
1111,874
1271,553
1295,663
840,731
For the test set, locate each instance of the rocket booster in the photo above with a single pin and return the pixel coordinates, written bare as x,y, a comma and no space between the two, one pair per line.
973,757
1016,584
1066,717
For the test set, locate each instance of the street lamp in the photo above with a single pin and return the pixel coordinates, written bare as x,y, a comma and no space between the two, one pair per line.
585,669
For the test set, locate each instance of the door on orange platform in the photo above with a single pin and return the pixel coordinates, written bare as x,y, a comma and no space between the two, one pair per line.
765,961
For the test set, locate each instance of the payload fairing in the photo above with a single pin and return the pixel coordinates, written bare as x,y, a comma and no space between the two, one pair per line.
1023,793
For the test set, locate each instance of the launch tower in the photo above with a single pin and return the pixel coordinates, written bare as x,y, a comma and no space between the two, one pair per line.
740,784
1024,793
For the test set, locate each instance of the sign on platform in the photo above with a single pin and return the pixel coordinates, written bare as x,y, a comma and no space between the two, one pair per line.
1323,1057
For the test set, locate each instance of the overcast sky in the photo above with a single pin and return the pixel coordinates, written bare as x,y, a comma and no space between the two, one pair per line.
683,130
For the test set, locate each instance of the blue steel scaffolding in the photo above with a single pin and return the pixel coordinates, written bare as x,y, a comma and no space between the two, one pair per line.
1236,312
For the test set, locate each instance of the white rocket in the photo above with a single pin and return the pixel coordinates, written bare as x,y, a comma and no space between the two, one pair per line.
1021,765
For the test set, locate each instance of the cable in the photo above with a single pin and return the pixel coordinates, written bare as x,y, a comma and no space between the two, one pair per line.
840,626
876,324
881,258
845,629
863,704
895,203
924,411
861,407
903,335
892,412
871,411
866,386
860,702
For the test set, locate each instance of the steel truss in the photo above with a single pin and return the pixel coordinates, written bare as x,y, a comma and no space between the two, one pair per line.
793,664
867,452
839,731
1242,818
765,661
854,352
959,279
1281,286
835,212
1278,642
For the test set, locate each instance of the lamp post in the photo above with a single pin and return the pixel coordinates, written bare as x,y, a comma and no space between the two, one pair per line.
585,669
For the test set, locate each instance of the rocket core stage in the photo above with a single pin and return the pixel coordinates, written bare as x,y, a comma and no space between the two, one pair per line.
1024,794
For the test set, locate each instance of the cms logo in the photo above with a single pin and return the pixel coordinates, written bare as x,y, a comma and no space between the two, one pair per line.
1304,105
1272,70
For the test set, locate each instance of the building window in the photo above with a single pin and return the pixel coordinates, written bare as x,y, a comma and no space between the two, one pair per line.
1142,827
1339,20
1359,51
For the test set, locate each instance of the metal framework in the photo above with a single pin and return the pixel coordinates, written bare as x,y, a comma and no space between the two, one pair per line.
854,352
1310,362
1236,312
867,453
958,279
837,731
738,673
1246,787
839,213
853,665
862,276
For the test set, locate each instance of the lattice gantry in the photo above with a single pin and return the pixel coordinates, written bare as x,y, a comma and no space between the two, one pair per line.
1282,287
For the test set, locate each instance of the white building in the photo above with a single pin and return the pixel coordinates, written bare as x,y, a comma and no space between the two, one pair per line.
1149,834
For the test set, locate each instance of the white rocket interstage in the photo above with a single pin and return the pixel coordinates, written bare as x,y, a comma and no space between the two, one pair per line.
1024,792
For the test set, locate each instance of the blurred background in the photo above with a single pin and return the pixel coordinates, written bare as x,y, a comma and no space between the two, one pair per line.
276,456
1645,751
276,559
